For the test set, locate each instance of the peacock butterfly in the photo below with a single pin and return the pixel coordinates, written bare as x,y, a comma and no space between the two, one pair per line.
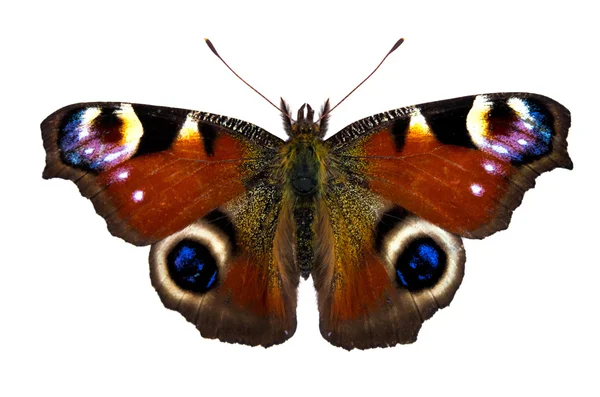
375,214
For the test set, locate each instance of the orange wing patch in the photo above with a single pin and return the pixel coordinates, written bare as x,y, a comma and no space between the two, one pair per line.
360,286
255,286
454,187
161,193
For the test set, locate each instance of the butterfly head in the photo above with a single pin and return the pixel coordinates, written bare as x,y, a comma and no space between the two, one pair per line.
305,123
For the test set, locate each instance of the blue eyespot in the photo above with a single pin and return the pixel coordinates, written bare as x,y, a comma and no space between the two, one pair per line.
192,266
420,265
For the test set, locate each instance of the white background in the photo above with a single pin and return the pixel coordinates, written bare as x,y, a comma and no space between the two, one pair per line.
79,316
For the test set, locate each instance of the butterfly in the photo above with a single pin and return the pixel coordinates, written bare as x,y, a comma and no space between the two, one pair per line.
375,214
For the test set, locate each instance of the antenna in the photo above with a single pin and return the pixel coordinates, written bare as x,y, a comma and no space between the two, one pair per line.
214,51
394,48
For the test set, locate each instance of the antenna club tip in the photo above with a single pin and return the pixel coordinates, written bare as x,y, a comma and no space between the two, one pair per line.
395,47
211,46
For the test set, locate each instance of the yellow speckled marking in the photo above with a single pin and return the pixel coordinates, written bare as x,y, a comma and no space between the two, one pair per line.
477,119
418,125
132,129
189,130
89,115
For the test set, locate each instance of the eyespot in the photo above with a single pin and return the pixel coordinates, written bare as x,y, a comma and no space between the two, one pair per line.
518,130
420,257
421,264
192,266
97,139
192,262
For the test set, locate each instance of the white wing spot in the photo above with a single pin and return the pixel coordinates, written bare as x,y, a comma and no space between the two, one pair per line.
477,190
489,167
138,196
499,149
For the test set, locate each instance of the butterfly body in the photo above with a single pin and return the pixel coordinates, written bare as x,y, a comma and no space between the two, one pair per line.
303,173
375,213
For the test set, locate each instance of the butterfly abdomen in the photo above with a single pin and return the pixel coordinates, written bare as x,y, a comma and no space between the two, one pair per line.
303,172
304,217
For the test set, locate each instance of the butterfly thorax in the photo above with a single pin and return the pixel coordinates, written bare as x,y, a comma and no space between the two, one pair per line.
302,157
304,168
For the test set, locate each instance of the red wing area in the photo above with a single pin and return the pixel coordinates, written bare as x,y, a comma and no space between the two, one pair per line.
226,273
462,164
152,171
380,272
446,185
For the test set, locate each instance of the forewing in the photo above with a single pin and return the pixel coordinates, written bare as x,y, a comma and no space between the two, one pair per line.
151,171
463,164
